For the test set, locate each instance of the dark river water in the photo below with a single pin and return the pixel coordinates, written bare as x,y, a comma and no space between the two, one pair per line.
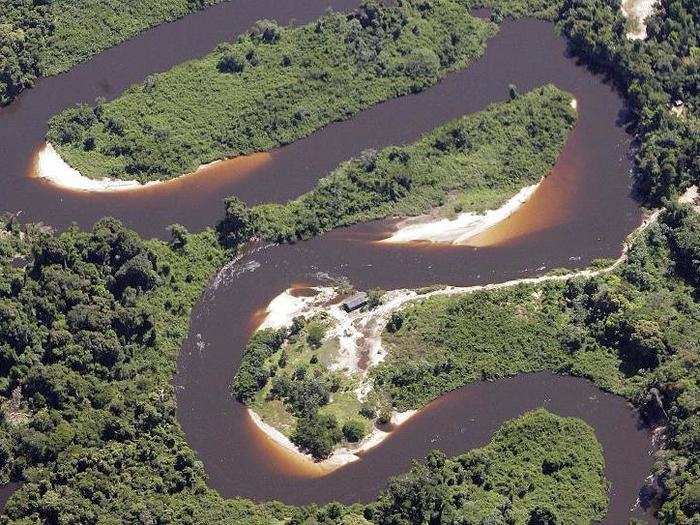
582,211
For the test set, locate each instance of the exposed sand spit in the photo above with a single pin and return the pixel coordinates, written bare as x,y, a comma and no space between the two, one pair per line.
49,165
341,456
460,229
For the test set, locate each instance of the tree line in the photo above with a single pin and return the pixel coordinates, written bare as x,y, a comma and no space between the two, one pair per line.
46,37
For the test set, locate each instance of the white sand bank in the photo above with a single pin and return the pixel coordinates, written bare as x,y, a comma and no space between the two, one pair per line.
285,307
691,196
637,11
360,326
460,229
341,456
50,166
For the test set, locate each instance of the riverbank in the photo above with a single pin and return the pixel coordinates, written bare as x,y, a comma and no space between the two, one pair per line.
359,335
457,166
342,455
434,228
460,229
49,166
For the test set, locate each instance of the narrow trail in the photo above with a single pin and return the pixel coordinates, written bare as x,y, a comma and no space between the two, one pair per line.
360,337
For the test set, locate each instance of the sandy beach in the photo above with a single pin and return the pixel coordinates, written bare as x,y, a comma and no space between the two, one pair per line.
50,166
460,229
342,455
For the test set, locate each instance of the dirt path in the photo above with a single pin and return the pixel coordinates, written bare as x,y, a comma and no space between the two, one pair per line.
361,331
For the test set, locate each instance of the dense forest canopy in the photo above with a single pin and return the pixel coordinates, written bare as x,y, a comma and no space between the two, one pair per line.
92,322
271,86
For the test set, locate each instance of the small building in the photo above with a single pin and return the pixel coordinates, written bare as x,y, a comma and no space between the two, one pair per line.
356,301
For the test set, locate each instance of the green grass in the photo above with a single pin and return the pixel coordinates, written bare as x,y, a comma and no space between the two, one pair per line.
329,352
296,353
273,412
290,85
344,406
476,161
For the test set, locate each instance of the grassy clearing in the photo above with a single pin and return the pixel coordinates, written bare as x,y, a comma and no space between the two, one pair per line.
272,86
296,380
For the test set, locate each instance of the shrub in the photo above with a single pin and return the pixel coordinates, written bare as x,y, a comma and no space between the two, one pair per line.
231,63
354,430
315,332
317,435
422,64
267,31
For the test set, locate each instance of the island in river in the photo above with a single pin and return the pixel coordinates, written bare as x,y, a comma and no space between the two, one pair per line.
272,86
93,320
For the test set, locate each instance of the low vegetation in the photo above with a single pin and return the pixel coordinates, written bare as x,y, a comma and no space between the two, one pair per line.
271,87
291,379
83,28
483,158
40,38
634,332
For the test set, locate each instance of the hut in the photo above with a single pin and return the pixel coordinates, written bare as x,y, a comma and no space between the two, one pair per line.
356,301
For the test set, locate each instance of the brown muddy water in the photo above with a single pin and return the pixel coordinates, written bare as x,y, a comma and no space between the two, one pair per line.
241,461
594,201
582,211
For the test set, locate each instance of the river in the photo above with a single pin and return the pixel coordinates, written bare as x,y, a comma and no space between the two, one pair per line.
525,53
582,211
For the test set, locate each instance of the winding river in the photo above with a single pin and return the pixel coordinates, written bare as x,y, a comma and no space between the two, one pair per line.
582,211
